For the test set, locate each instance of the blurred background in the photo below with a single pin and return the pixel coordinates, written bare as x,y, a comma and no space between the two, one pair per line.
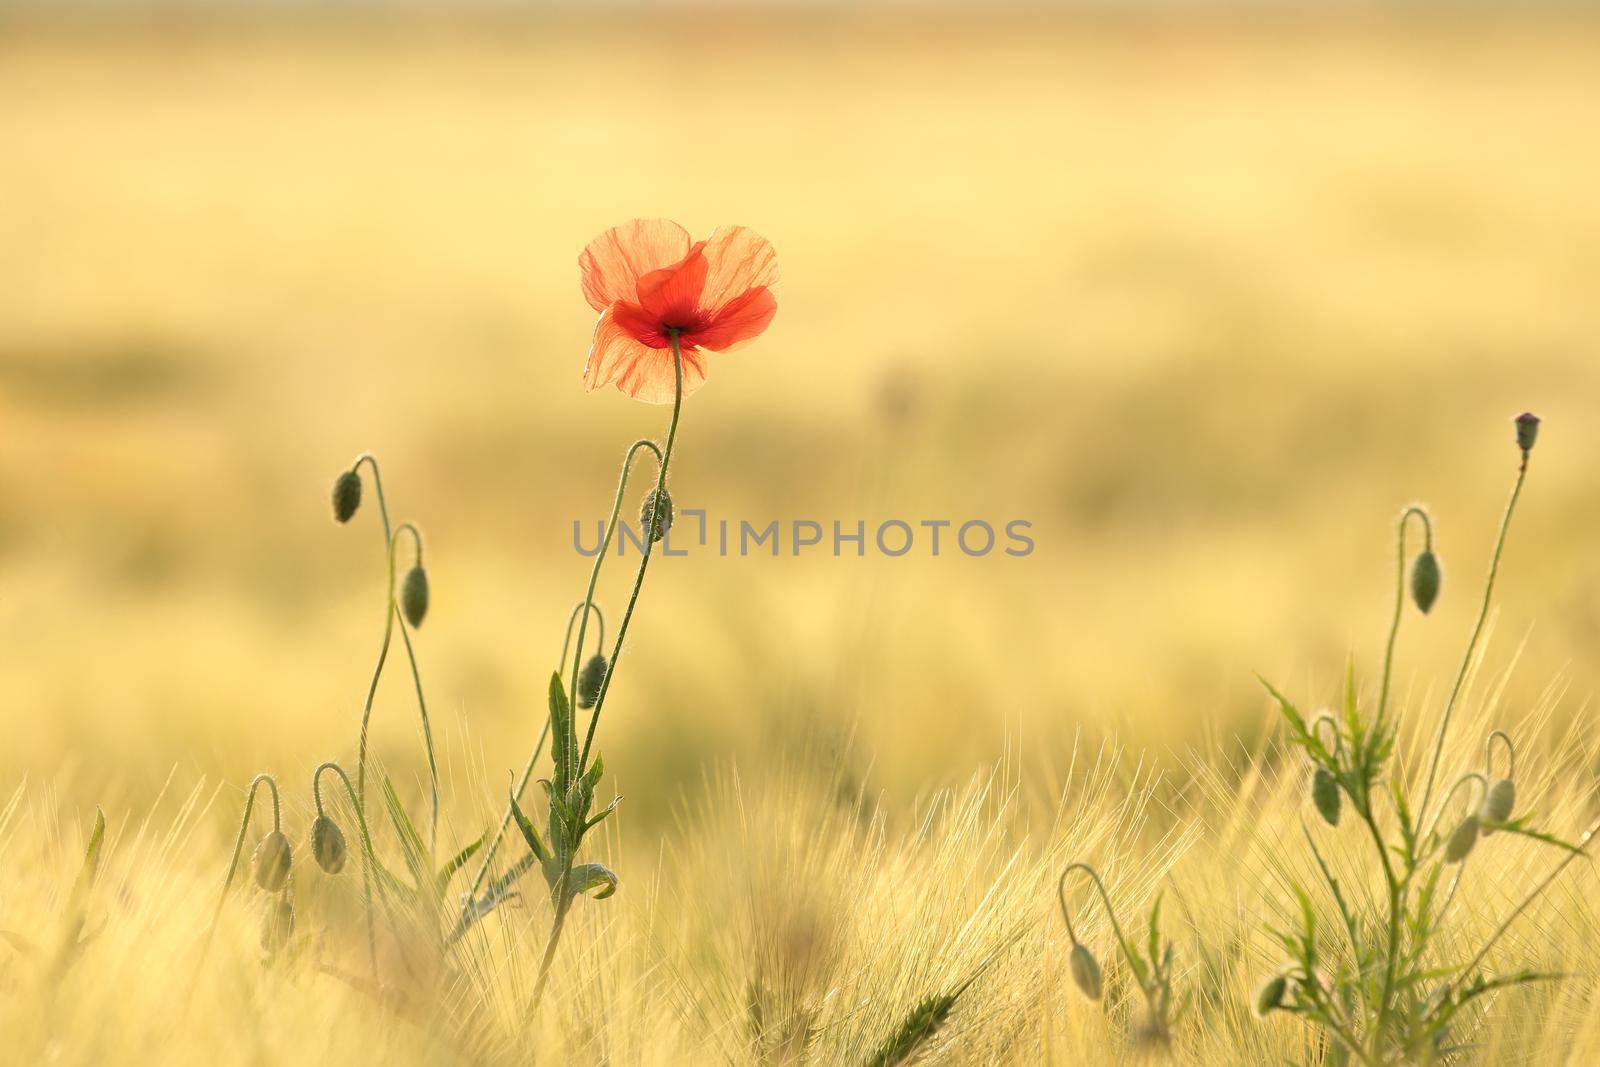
1206,296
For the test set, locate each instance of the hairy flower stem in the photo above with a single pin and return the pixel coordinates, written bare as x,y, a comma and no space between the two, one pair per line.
1477,631
562,890
1400,596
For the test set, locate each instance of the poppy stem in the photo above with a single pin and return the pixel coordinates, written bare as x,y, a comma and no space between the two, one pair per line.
1477,631
644,560
563,889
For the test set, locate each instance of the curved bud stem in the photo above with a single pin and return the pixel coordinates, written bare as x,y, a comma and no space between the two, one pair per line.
1338,738
1400,594
369,857
416,538
1488,753
1111,912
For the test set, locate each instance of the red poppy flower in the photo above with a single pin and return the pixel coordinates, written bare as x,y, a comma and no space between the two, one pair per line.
647,279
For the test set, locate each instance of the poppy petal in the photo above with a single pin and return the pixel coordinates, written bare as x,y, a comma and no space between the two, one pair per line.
642,372
671,295
741,319
613,263
740,260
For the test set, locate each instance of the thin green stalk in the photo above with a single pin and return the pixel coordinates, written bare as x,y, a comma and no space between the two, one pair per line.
644,561
422,702
1399,596
1477,631
563,893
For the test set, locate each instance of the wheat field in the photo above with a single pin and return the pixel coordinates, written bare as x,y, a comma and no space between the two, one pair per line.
1204,298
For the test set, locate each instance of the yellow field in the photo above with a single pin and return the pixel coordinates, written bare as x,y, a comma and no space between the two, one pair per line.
1204,299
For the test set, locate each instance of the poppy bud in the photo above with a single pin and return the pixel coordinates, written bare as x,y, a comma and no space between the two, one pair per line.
1269,997
271,861
1325,795
1425,581
346,496
277,925
1462,840
1498,803
414,595
1527,430
1085,971
663,515
327,844
590,680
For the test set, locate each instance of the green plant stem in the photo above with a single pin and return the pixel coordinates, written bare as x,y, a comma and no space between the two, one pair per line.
586,605
1400,596
562,891
1477,632
644,560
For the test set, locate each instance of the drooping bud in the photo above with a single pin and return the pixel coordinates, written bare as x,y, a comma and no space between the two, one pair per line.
1498,804
1325,795
590,680
346,496
663,515
277,925
414,595
1527,430
1269,997
1462,840
1425,581
271,861
327,844
1085,971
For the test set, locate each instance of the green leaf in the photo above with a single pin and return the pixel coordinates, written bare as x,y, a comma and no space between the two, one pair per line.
448,871
90,869
564,742
587,876
411,843
529,834
600,816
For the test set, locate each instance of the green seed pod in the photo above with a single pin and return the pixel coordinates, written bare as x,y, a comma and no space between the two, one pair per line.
1085,972
1527,430
277,925
1325,795
1498,803
327,844
346,496
271,861
590,680
663,518
1269,997
1425,581
414,596
1462,840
